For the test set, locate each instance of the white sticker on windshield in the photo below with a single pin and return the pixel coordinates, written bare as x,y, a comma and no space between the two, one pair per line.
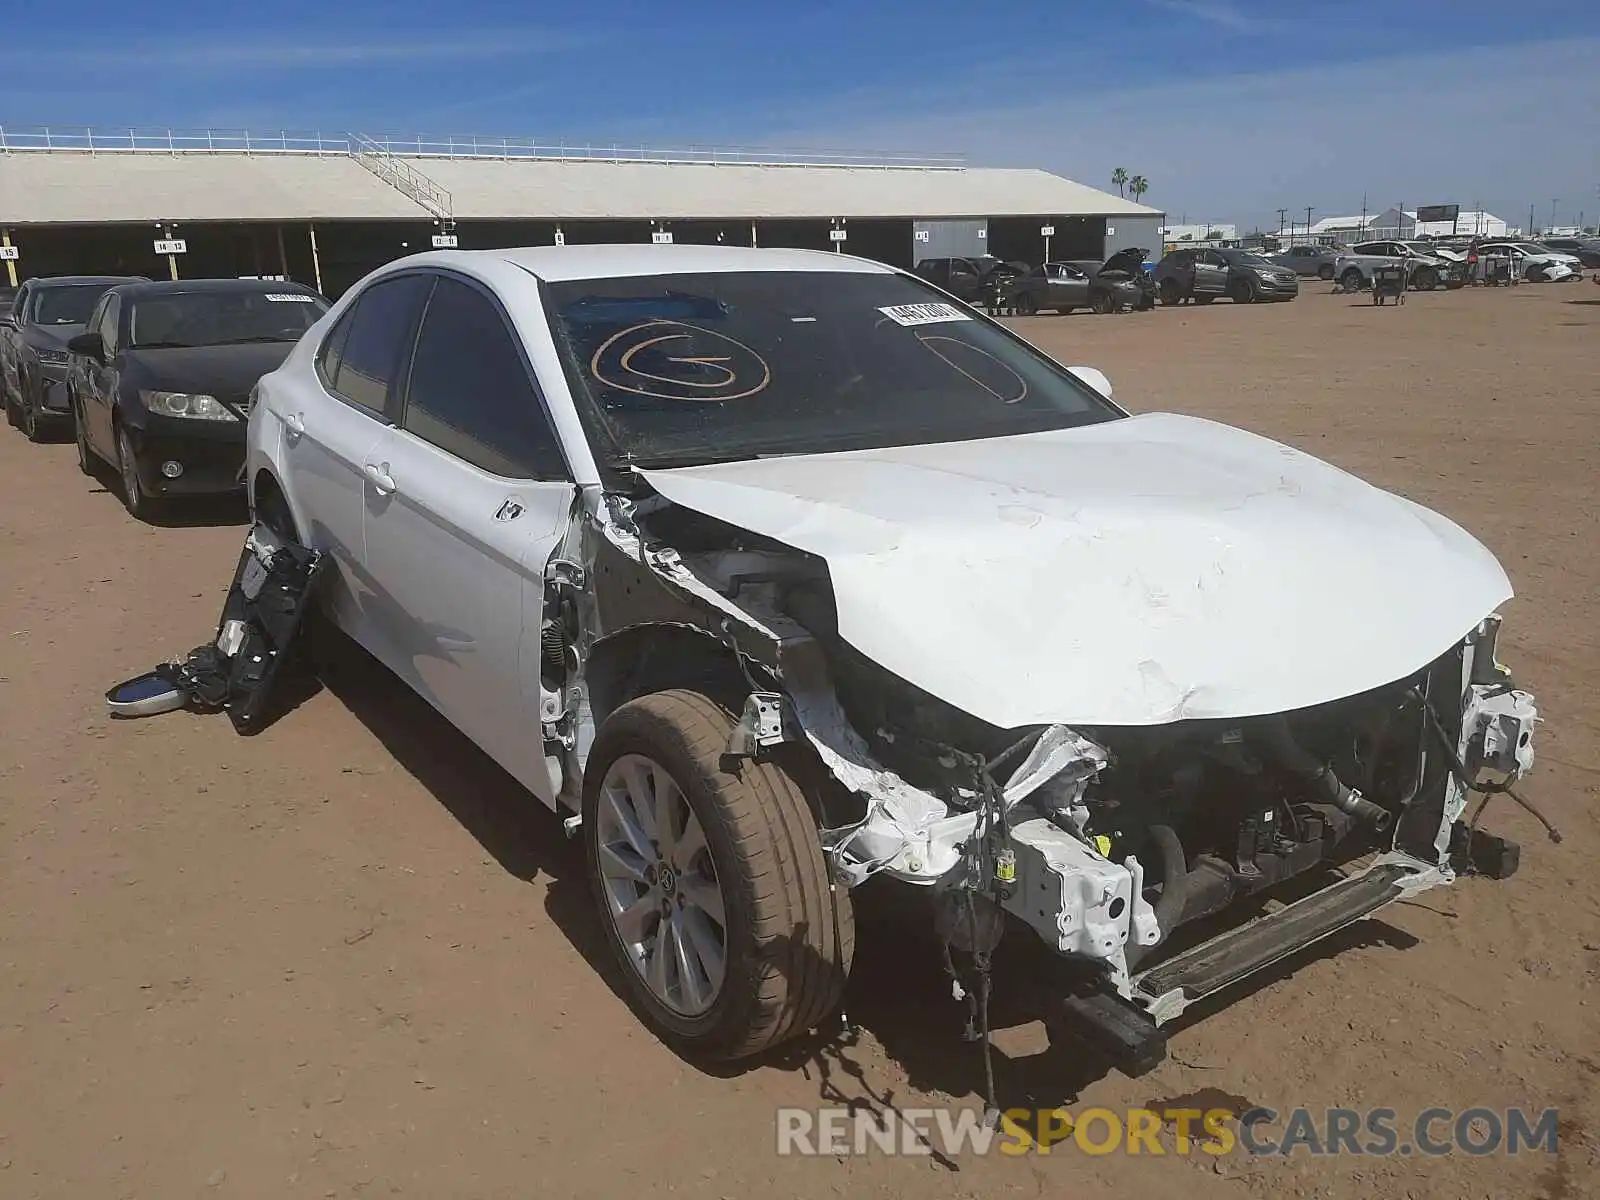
924,314
291,297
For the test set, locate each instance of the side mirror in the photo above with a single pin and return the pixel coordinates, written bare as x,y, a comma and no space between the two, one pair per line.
88,343
1094,377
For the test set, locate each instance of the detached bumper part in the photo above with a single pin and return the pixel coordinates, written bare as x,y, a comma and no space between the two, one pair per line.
236,670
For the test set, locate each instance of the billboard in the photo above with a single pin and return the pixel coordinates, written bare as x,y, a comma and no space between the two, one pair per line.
1439,212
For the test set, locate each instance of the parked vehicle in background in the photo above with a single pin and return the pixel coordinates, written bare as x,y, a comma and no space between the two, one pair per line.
977,280
722,554
1425,268
160,382
1536,263
1308,262
1051,287
1252,277
1121,282
1192,273
1586,249
47,314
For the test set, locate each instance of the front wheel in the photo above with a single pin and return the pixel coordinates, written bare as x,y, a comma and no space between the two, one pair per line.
80,435
1351,280
1171,293
711,882
1025,305
135,499
32,426
1425,280
1102,303
1325,273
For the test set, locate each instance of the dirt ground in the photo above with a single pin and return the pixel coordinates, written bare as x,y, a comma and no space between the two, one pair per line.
347,957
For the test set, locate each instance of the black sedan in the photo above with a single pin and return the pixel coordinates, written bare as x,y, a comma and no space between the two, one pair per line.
160,382
47,313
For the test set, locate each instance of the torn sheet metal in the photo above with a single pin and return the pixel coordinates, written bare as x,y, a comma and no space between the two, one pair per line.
1134,572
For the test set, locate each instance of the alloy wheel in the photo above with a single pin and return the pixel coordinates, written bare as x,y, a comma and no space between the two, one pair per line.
662,895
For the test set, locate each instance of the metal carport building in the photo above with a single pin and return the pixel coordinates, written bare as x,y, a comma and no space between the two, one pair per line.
325,211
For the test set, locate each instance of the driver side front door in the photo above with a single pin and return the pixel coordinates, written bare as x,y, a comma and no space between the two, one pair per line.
466,501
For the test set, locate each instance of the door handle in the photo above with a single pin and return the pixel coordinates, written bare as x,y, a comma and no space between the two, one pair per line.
295,423
378,476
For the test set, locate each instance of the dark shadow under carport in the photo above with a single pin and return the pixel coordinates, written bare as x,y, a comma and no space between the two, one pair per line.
1018,238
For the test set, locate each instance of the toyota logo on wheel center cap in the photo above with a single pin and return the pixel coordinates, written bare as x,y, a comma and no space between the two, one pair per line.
667,880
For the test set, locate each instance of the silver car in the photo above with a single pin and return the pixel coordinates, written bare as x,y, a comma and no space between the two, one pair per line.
1308,261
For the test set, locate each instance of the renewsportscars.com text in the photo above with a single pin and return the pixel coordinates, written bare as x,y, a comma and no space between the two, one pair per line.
1260,1131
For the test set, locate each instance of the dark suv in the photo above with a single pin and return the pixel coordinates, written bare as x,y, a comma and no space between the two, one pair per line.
976,280
1586,248
1196,273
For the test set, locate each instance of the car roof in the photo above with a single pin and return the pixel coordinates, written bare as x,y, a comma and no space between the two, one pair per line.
47,281
174,287
559,263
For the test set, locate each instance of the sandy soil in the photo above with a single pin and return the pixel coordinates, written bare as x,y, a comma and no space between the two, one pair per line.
347,957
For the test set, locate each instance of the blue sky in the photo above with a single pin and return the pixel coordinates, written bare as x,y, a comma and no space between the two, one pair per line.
1232,108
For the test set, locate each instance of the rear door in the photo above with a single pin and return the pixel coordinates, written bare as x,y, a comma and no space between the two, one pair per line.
1069,287
331,431
466,502
1210,271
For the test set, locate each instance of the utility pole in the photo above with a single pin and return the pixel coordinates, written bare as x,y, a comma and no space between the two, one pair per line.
1309,211
1282,212
1553,204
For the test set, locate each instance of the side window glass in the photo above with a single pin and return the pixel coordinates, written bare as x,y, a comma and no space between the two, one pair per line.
381,329
332,352
19,307
108,325
469,393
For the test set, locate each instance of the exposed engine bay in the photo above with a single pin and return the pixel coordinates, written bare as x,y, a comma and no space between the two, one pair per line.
1104,840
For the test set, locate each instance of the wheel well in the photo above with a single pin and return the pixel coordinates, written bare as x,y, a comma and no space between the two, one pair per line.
269,504
643,659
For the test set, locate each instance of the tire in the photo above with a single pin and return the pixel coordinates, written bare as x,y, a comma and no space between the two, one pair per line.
1351,280
13,414
1102,303
32,427
1425,280
139,504
1204,297
1325,272
1026,305
788,936
1171,294
80,435
1246,291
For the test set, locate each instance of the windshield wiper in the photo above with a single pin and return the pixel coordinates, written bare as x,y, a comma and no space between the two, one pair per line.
161,346
255,337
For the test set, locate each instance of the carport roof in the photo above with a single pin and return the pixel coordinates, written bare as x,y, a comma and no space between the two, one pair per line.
57,187
494,189
64,187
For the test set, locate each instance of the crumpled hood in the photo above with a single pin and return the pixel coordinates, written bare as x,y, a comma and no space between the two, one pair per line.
1135,572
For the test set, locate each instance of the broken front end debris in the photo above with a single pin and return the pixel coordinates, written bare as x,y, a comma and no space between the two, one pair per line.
1109,842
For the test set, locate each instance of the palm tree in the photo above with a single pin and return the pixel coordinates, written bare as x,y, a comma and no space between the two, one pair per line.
1138,185
1120,178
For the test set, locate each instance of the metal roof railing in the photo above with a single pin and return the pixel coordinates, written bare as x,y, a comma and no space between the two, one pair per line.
99,140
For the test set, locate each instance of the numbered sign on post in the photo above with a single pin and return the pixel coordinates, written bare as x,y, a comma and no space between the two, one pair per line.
444,241
171,246
9,254
1047,231
561,238
661,237
836,235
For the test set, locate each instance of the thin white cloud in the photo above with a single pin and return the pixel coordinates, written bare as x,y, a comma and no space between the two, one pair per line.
1487,126
244,52
1222,13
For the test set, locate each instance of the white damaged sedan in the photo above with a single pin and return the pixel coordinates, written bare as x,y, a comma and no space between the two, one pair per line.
777,571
